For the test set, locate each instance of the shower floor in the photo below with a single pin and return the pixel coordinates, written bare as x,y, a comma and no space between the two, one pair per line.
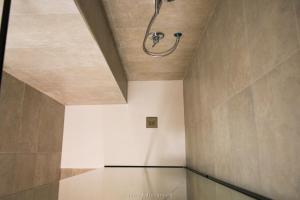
132,184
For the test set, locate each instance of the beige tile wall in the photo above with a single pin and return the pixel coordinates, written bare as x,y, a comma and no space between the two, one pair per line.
242,97
31,130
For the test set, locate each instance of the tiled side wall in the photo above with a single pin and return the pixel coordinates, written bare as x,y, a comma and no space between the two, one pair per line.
45,192
31,130
242,97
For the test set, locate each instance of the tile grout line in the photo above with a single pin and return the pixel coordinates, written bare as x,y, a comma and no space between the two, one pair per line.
251,90
258,145
286,57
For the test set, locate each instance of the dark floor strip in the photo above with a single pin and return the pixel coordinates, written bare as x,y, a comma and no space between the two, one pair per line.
236,188
233,187
137,166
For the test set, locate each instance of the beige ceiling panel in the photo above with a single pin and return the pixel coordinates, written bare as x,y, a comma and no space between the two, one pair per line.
51,48
158,66
160,69
51,58
129,20
127,37
30,31
73,86
39,7
136,55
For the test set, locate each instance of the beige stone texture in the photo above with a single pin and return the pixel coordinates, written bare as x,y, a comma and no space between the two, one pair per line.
129,20
50,47
31,129
242,97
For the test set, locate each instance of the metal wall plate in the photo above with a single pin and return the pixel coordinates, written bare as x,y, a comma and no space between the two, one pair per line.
151,122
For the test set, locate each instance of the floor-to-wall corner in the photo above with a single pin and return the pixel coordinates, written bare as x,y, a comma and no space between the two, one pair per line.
242,97
31,130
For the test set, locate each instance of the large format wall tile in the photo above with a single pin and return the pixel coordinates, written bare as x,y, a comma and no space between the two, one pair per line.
31,111
7,166
12,94
242,97
277,101
51,124
272,33
47,192
26,195
29,122
244,144
44,192
24,171
205,148
47,168
239,68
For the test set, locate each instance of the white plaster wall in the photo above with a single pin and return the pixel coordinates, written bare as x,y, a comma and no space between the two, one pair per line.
99,135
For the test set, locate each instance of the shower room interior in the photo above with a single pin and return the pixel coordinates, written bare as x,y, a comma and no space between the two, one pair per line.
150,99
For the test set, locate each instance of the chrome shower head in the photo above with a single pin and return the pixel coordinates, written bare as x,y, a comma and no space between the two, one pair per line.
157,36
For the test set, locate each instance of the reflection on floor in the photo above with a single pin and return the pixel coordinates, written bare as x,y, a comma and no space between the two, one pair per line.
69,172
132,184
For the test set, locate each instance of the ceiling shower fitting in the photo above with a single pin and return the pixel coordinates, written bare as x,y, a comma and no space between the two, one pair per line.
156,37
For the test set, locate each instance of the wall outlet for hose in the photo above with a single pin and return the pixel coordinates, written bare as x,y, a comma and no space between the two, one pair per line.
151,122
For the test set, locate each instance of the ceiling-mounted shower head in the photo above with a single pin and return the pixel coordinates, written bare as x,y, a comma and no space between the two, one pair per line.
157,36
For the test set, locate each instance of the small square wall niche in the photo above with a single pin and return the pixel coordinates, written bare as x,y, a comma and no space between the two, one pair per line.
151,122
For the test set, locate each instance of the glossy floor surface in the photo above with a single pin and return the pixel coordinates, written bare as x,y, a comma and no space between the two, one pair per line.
131,183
